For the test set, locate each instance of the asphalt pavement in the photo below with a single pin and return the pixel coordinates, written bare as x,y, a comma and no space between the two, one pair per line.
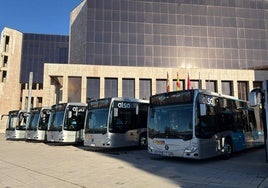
37,165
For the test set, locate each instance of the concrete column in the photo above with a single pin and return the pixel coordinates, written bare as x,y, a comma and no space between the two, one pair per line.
250,85
203,83
153,86
219,88
120,85
102,87
235,89
65,89
137,88
84,89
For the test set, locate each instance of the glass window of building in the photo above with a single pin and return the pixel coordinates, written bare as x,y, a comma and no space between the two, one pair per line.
40,86
145,88
257,84
74,89
227,88
5,61
111,87
128,89
195,84
181,85
243,90
161,85
211,85
93,88
39,102
38,49
229,34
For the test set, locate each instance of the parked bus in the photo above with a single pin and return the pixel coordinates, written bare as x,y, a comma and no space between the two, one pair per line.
16,124
116,122
200,124
36,126
66,123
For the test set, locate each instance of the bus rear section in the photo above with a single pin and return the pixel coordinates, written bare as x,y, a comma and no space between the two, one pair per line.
200,124
16,125
116,122
66,123
36,126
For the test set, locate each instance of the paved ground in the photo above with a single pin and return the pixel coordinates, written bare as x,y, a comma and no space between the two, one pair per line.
24,164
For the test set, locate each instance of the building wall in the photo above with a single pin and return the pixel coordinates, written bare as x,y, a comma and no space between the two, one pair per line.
20,54
63,72
10,67
171,33
40,48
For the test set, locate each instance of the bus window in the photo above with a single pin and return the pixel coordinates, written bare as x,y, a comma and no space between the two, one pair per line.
206,125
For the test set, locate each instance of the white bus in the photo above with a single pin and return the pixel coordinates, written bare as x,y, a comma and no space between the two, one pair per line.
200,124
116,122
66,123
16,124
36,126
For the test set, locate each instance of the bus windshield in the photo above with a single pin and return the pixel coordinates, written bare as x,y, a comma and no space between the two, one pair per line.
97,121
127,116
56,120
75,118
43,120
12,122
33,120
171,121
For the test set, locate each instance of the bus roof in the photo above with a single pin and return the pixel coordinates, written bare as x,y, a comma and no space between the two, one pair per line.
199,91
127,99
70,103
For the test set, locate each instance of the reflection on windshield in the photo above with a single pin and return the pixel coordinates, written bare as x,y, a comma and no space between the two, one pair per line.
44,118
33,120
56,121
12,123
75,119
97,121
171,122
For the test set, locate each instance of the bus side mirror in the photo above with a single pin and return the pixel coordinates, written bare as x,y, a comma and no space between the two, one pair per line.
3,116
255,97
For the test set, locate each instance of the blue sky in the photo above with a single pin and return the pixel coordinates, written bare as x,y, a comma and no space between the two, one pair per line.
37,16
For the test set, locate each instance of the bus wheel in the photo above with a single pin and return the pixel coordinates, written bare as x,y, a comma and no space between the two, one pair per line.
228,149
143,140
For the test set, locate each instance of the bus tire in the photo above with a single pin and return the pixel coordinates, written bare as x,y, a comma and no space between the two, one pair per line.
143,140
228,149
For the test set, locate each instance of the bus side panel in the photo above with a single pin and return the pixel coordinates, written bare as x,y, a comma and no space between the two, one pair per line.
123,140
54,136
64,136
208,148
10,134
68,136
112,140
29,135
41,135
238,141
80,136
